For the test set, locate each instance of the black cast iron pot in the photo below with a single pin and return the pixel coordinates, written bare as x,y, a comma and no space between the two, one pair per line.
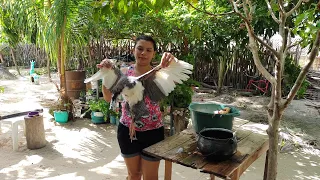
217,144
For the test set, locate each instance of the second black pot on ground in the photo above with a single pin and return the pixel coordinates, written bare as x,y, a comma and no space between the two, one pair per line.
217,144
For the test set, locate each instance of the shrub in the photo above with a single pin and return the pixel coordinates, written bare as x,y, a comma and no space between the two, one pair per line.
291,73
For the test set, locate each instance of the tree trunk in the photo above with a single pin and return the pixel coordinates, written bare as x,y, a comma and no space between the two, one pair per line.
185,46
48,68
1,58
222,67
277,104
273,132
62,59
35,134
274,121
14,61
59,64
90,55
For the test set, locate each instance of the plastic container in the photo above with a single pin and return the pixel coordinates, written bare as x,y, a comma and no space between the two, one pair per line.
61,116
113,120
202,116
96,118
36,79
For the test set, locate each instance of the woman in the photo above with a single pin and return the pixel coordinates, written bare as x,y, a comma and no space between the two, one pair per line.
139,164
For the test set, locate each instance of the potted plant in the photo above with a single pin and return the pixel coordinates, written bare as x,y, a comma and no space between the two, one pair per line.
63,110
99,110
115,116
179,100
82,96
90,95
61,115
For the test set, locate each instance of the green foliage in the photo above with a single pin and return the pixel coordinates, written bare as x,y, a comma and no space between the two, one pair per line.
41,71
180,97
126,8
90,92
116,113
99,105
59,106
291,73
63,106
9,25
307,23
188,58
51,111
192,82
1,89
82,94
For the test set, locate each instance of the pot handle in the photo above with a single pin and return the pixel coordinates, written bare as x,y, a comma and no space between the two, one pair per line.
231,141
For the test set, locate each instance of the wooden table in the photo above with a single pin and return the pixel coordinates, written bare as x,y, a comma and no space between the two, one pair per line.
252,143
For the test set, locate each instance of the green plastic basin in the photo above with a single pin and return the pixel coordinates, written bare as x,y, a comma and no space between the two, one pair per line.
202,116
60,116
97,119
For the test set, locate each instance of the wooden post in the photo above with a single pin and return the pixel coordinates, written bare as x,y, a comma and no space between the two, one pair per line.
212,177
167,170
35,135
236,174
179,120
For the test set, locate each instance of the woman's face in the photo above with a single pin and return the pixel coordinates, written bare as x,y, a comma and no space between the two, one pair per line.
144,52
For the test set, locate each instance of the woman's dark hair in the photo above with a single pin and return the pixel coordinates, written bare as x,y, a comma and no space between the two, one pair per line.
146,38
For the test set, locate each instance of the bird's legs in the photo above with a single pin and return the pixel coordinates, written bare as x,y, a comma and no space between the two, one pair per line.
132,130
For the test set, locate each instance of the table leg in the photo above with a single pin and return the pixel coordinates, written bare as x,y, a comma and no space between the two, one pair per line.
266,166
212,177
236,174
167,170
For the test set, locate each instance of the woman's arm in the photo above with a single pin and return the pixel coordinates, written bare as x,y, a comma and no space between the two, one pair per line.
106,94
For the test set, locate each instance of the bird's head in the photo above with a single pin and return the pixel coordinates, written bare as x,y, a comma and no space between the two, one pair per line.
133,92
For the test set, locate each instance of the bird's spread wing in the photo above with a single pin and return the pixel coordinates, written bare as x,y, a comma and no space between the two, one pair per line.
162,81
108,76
176,72
152,90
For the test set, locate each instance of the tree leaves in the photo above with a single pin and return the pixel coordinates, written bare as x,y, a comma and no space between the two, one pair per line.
307,23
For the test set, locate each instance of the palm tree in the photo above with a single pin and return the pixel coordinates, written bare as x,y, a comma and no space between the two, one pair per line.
10,30
66,20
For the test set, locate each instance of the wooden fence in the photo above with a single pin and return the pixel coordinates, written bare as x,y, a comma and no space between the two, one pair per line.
205,71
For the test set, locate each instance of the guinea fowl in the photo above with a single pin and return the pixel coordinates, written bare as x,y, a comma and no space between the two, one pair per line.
156,84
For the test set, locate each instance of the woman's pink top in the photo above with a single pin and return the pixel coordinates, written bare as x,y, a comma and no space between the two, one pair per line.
153,121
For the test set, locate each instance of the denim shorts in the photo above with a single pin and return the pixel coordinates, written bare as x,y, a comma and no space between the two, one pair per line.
144,140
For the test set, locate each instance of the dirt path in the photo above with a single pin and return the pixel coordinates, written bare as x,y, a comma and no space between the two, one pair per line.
82,150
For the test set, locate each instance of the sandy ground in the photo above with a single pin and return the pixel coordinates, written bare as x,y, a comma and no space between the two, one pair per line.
82,150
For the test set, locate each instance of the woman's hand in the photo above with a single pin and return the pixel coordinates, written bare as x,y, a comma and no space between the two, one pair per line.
106,63
166,59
